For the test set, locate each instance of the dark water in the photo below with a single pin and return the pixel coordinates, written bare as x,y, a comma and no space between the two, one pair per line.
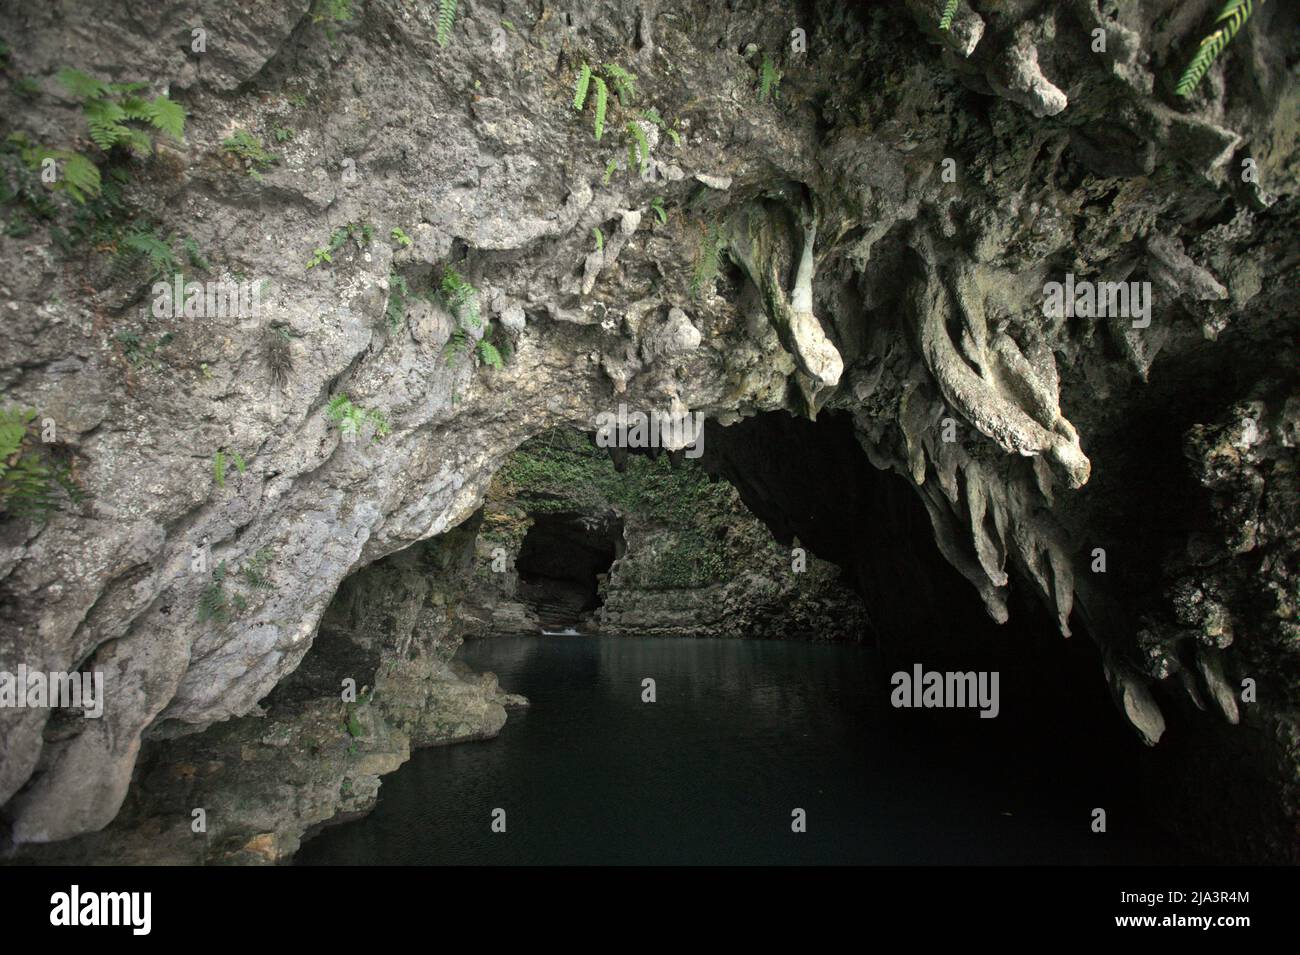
742,733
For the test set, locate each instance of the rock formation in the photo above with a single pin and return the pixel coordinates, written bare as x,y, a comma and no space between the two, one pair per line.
864,225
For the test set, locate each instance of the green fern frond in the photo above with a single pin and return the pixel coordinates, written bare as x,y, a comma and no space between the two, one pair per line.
624,83
769,83
331,12
137,141
156,248
580,91
213,603
255,579
108,107
1233,16
28,484
446,19
166,115
602,98
657,204
105,119
707,257
949,11
352,418
133,107
456,346
639,147
380,423
600,239
219,468
240,465
609,169
462,298
253,571
491,357
81,176
82,86
395,311
195,255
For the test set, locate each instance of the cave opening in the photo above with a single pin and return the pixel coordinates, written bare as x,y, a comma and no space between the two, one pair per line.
564,559
1048,736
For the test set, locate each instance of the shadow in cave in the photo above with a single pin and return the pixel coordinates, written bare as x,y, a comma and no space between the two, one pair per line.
1058,729
561,563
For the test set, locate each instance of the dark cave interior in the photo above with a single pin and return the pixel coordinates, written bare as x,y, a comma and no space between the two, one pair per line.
561,561
1056,714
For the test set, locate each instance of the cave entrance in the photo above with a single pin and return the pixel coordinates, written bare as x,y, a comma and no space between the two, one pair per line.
564,559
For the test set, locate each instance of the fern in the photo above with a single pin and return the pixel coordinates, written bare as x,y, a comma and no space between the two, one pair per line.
456,346
638,148
80,178
360,232
602,102
1233,16
580,91
253,571
331,13
401,238
600,239
109,107
155,247
488,352
166,116
194,254
214,605
348,416
219,466
446,19
707,257
352,418
769,83
81,85
624,83
398,291
949,11
609,169
462,298
657,204
28,482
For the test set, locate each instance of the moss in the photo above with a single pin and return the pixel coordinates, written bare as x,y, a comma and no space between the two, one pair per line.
353,724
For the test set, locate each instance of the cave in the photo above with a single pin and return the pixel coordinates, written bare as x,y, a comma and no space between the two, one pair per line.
561,563
317,542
